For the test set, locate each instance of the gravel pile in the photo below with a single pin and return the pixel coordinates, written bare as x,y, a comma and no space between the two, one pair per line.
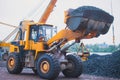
107,65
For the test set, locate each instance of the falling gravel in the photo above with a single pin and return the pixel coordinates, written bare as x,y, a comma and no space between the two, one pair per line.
107,65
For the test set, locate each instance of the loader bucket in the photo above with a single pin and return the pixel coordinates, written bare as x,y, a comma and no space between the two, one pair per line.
88,18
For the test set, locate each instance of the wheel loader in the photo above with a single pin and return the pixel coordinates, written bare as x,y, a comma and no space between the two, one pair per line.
35,46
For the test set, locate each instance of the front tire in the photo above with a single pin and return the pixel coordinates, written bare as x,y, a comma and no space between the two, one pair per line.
14,66
75,69
48,67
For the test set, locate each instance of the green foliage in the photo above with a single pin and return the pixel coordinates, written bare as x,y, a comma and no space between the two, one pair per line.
74,48
99,48
96,48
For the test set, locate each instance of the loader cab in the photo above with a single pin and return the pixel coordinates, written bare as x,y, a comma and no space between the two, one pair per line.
41,32
35,32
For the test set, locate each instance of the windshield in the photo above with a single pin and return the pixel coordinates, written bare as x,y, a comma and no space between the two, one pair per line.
42,31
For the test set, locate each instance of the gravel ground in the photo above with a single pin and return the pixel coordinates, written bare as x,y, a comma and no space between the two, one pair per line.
27,74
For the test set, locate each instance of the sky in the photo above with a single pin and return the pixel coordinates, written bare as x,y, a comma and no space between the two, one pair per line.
14,11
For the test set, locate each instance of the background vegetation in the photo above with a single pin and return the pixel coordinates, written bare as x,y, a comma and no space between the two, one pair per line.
95,48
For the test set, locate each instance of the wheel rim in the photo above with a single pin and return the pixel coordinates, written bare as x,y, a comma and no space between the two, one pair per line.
45,66
11,62
71,66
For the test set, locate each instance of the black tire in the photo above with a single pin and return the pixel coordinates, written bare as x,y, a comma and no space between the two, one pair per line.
14,67
76,69
53,67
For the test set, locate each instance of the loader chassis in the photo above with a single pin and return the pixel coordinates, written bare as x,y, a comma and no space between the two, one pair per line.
36,47
42,53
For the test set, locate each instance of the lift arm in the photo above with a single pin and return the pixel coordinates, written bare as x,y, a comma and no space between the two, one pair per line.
70,35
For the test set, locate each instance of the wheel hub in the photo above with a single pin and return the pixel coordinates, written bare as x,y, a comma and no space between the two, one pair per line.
45,66
70,66
11,62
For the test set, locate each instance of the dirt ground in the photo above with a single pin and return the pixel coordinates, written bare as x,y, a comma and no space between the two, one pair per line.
27,74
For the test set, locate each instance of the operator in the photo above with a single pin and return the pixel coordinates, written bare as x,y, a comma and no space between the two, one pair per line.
40,36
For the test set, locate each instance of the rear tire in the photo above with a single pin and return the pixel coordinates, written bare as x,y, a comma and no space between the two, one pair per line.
14,66
48,67
76,69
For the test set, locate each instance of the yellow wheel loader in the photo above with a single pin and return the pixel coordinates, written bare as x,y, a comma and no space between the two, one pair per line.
35,46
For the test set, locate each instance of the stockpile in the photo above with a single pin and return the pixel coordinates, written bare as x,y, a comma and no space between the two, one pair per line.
107,65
